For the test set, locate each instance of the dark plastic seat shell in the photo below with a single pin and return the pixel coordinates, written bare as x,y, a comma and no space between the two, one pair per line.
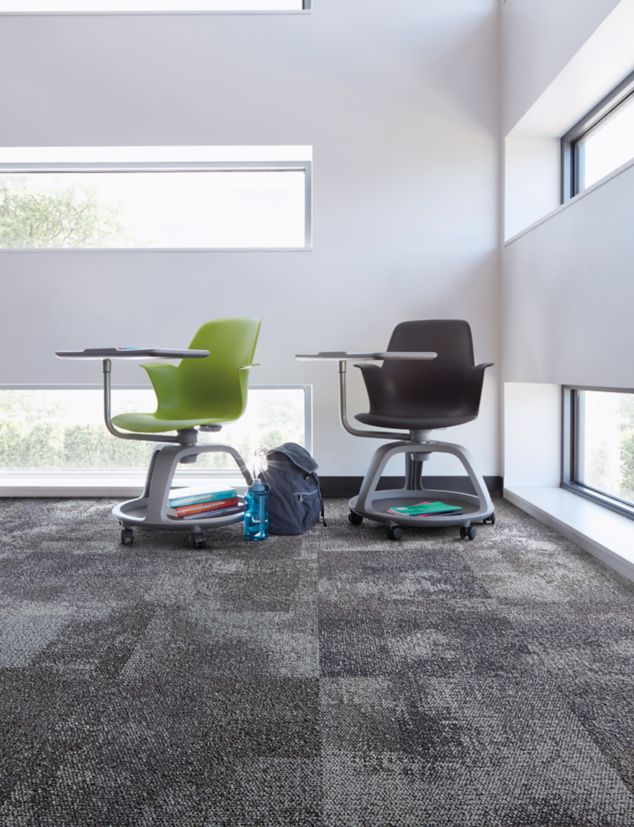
425,395
410,423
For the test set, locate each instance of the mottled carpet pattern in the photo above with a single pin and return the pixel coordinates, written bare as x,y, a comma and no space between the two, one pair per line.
331,679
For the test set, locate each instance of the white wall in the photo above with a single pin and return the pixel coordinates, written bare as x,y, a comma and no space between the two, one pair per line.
532,445
398,100
532,184
569,293
567,287
539,37
580,58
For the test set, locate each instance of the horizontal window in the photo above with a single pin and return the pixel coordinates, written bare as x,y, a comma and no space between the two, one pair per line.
61,430
192,198
609,145
96,6
601,142
599,446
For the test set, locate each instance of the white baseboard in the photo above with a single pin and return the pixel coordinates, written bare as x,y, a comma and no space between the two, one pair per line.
116,485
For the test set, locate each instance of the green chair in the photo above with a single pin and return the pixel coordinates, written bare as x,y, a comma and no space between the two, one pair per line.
196,395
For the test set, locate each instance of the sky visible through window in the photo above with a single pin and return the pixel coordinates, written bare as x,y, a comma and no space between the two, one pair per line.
607,443
610,144
201,209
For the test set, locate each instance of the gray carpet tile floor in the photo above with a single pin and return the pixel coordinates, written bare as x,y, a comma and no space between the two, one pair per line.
334,679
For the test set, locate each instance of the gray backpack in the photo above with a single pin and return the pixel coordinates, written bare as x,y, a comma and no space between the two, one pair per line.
295,501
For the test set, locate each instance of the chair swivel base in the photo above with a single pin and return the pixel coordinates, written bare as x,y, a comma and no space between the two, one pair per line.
375,505
150,510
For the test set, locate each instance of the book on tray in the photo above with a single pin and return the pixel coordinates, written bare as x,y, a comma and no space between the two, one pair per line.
199,503
195,495
219,512
425,508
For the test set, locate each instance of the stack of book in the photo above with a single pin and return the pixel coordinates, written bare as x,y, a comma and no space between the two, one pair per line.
201,503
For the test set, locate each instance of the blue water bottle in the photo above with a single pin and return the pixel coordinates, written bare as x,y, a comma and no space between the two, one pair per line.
256,515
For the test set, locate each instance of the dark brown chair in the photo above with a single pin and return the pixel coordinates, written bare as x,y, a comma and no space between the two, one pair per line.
416,397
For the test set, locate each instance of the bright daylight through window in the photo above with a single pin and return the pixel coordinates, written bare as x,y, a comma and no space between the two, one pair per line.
88,6
62,430
155,197
603,445
600,143
609,145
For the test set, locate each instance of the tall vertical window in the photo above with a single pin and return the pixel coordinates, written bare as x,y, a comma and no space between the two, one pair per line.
155,197
599,446
601,142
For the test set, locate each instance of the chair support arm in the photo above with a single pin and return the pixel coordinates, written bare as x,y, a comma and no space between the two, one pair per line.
107,413
343,413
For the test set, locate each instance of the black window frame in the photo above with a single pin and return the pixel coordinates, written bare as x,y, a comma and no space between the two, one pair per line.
572,424
572,142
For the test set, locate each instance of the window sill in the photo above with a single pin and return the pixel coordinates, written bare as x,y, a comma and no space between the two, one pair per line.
97,484
603,533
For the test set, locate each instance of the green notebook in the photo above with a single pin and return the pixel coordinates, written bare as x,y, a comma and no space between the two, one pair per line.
424,508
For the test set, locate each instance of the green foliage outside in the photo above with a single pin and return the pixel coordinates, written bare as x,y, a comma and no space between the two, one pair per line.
71,217
609,446
627,462
62,430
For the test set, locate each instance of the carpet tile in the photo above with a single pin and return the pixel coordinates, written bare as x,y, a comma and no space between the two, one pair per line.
335,679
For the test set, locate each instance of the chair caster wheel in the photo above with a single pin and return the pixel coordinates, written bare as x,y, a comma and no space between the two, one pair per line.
127,536
467,532
195,539
489,520
394,532
355,519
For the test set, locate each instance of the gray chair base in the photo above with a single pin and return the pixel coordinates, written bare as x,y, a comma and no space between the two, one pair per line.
374,504
150,509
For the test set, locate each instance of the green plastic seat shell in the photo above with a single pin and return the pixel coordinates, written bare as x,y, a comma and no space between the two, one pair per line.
147,423
200,391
